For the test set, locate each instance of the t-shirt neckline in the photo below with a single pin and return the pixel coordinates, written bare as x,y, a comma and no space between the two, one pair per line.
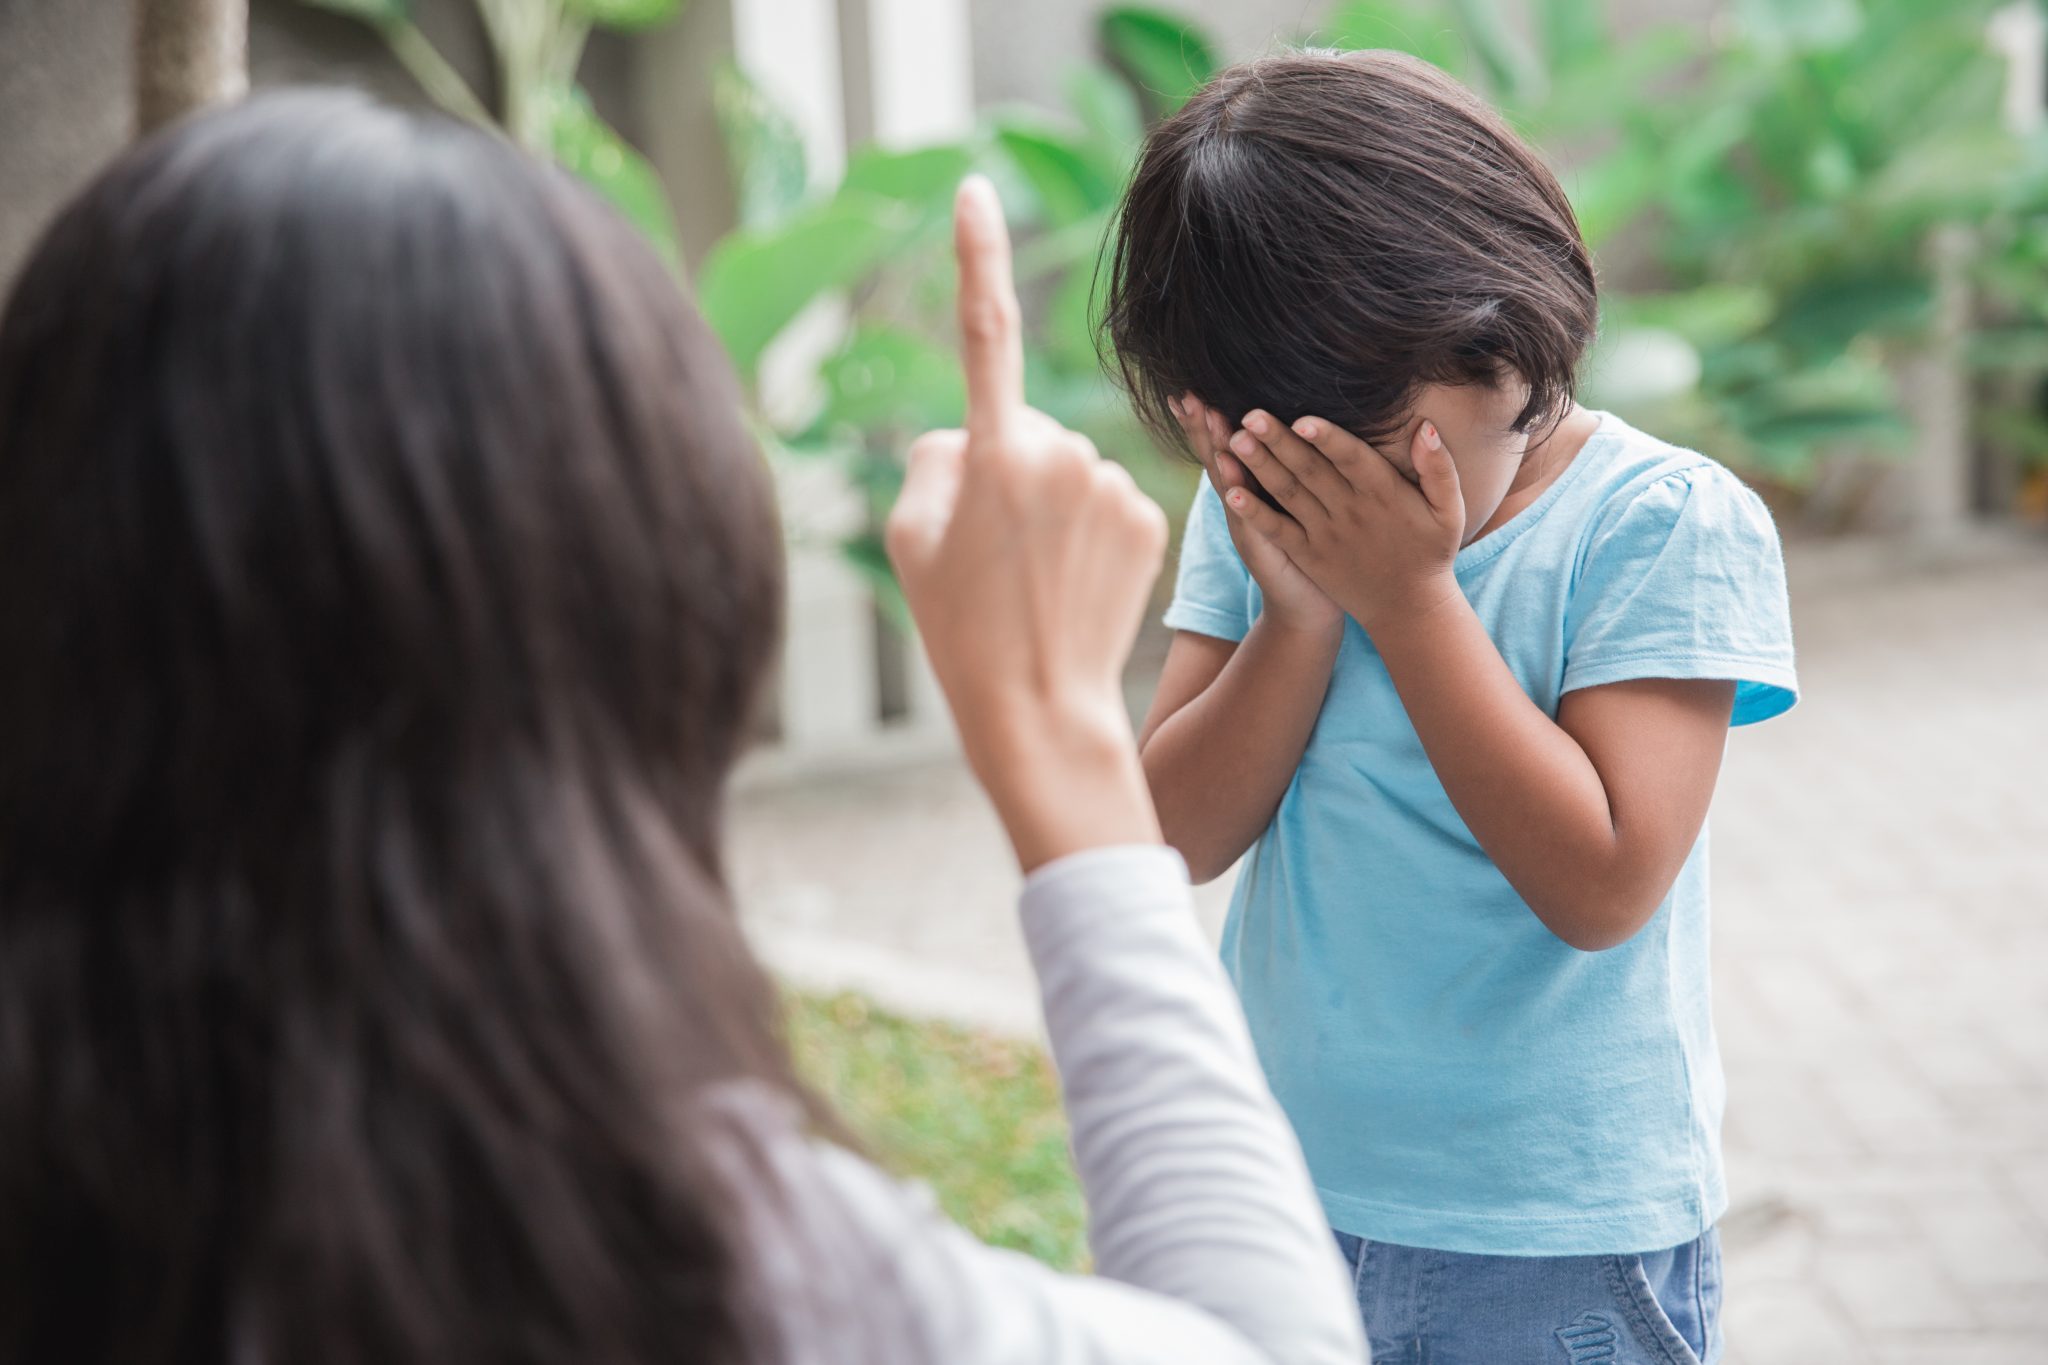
1497,540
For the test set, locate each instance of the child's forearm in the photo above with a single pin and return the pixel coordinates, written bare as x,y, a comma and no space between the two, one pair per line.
1531,794
1219,765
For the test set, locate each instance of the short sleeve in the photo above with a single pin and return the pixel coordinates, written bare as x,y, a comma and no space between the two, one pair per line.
1687,581
1213,593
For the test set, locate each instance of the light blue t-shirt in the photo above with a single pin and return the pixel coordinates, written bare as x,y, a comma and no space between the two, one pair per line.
1460,1077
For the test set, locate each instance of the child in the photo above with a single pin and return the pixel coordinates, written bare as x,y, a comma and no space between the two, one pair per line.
1456,661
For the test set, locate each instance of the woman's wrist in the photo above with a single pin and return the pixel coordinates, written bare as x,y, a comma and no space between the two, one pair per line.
1065,776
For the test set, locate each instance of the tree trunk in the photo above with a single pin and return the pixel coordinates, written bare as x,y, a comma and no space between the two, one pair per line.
188,53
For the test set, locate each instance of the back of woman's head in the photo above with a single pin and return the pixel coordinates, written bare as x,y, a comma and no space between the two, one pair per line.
385,577
1329,233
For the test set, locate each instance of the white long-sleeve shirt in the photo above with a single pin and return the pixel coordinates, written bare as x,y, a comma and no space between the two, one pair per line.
1209,1244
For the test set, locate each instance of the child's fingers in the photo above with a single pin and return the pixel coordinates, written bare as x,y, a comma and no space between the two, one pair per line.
1219,430
1304,461
1225,473
1363,467
1193,417
1435,470
1276,528
1276,478
1229,473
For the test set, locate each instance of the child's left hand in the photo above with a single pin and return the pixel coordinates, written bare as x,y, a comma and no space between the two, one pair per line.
1381,547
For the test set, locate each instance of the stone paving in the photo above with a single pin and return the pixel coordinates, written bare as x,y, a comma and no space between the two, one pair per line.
1881,896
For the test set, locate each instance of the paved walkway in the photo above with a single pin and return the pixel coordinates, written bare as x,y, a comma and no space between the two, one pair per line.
1881,886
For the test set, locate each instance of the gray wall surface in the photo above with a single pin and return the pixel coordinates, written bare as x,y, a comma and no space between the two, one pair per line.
66,103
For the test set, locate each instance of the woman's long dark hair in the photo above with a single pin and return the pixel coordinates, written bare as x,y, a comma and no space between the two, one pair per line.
386,575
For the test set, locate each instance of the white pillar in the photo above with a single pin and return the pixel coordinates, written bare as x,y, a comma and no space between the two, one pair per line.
922,82
830,693
921,90
2020,32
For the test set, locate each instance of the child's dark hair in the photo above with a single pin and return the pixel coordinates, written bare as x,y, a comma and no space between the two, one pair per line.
1321,232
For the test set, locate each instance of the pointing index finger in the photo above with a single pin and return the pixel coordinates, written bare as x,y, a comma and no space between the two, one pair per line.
991,341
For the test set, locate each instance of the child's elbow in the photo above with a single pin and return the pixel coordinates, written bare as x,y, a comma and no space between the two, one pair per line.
1596,925
1594,938
1203,867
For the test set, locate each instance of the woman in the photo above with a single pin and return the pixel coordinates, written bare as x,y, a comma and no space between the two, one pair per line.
387,576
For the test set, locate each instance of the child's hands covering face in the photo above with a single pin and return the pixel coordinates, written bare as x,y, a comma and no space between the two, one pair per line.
1291,599
1379,546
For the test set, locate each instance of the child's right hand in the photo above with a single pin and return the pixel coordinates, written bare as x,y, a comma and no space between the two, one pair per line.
1292,600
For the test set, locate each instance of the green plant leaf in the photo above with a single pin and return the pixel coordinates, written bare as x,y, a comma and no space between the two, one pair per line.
1799,25
866,553
1612,192
589,147
1069,185
1168,57
924,178
1572,32
1361,24
1110,112
1511,68
625,14
1787,26
887,377
1950,174
2013,349
1824,315
1069,324
762,146
377,12
757,279
1710,315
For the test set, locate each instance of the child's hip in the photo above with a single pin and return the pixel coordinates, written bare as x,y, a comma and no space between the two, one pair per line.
1454,1308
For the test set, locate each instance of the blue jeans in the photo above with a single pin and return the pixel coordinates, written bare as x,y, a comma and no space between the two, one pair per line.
1449,1308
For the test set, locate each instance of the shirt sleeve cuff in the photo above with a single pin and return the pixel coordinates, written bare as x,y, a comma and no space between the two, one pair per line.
1114,877
1192,616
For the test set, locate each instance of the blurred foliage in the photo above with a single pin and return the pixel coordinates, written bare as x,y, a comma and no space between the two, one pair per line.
1787,176
537,46
1818,159
1782,172
880,240
977,1118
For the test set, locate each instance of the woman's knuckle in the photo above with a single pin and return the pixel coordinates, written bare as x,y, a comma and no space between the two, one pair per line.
987,319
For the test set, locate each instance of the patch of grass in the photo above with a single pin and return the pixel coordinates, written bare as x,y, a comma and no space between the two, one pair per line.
975,1117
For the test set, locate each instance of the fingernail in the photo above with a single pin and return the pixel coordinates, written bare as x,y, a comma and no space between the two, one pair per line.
1305,429
1241,443
1429,436
1256,421
1237,498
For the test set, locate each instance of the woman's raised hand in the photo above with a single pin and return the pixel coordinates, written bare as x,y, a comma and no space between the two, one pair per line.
1028,562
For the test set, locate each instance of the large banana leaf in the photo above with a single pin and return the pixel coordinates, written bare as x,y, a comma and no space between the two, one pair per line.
757,280
588,146
1168,57
763,147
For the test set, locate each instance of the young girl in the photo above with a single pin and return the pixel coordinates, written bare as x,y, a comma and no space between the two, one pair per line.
1455,665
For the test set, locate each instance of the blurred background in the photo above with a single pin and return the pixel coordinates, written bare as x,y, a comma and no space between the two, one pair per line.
1822,227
